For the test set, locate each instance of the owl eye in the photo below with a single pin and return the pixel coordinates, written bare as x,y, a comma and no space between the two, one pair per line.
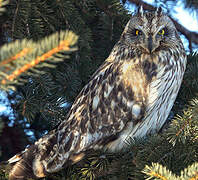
137,32
162,32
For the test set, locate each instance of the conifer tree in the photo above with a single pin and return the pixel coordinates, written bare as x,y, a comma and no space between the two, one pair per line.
54,48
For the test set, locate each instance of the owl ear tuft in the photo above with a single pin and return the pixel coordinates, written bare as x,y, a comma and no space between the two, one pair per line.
158,11
140,11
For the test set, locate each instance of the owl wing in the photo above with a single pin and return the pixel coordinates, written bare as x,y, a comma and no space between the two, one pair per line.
99,114
101,111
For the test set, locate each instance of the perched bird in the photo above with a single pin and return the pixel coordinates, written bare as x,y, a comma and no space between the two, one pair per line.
129,96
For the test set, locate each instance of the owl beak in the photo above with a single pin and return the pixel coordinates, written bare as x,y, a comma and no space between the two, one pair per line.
150,44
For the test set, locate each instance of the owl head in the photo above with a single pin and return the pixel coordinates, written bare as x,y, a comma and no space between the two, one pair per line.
150,31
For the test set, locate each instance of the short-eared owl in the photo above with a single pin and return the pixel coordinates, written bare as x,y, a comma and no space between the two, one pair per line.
130,95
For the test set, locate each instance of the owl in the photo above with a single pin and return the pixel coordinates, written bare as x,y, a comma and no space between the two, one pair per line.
129,96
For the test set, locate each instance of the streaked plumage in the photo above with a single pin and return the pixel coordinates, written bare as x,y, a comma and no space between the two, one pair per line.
129,96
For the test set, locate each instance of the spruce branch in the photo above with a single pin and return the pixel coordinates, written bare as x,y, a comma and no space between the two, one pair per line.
184,127
179,127
22,53
15,17
2,4
158,171
189,87
40,96
27,55
18,21
190,173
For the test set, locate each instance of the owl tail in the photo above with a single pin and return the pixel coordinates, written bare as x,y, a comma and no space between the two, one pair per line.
23,165
44,157
29,163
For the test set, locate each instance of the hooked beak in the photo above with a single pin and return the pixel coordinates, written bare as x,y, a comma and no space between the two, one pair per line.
150,44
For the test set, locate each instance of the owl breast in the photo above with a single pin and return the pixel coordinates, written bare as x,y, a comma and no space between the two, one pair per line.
155,85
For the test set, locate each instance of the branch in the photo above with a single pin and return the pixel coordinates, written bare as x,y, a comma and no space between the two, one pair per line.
21,56
191,36
107,10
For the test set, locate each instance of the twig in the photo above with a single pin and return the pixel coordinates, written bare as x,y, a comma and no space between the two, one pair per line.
14,19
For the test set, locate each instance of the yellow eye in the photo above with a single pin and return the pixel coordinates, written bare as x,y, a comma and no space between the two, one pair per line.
161,32
136,32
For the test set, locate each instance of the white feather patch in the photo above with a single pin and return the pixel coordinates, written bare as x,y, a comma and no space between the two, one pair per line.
16,158
95,102
136,109
106,94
